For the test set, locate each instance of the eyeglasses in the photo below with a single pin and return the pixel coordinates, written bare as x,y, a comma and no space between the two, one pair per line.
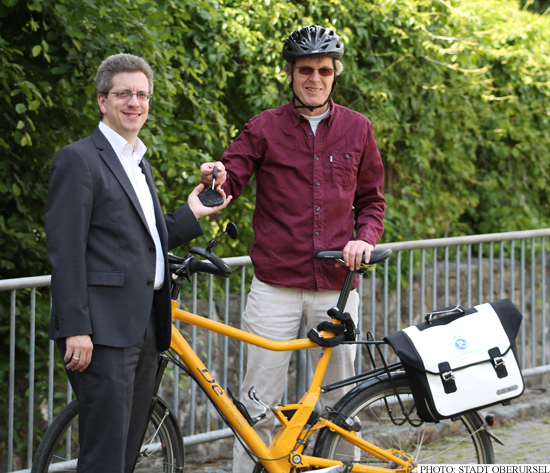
323,71
127,95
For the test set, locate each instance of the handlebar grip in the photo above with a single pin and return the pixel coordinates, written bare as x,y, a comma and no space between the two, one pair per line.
173,259
196,265
225,269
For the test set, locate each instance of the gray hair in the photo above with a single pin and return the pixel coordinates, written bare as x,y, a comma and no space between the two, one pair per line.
117,63
338,67
121,63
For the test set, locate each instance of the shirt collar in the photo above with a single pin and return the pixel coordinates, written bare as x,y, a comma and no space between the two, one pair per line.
119,143
296,116
317,117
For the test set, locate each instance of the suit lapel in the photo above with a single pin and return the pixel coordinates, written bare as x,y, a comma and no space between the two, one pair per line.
159,217
110,158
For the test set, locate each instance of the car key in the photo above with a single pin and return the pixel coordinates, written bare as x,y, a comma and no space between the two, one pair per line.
214,176
210,197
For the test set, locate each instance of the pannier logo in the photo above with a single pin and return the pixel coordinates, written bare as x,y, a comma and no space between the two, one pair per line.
460,343
463,348
507,390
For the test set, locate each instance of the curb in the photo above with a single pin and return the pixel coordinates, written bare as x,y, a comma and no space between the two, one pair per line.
533,404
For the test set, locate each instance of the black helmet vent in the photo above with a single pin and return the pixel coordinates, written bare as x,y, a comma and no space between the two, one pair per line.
311,41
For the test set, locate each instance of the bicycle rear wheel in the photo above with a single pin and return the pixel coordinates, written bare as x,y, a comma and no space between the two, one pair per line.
162,449
376,408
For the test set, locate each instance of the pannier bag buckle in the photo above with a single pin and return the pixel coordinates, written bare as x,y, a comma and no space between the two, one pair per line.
448,376
498,362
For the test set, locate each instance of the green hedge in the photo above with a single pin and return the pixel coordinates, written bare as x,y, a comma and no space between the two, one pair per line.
458,94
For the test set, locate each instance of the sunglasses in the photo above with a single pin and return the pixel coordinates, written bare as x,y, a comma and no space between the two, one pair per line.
323,71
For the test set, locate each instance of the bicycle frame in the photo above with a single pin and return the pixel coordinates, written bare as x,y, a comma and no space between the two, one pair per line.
286,449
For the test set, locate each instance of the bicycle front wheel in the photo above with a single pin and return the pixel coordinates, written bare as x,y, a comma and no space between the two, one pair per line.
383,424
162,449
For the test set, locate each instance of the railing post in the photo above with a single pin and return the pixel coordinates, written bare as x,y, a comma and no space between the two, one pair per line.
32,343
12,382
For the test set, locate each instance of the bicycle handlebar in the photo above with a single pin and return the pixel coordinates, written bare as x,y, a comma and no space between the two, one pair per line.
221,265
190,265
196,265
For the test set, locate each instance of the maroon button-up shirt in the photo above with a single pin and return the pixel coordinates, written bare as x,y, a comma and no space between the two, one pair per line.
311,192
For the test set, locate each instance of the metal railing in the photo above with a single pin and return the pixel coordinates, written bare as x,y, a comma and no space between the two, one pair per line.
420,276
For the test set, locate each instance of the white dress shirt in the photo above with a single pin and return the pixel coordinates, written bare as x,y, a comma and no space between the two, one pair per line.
130,160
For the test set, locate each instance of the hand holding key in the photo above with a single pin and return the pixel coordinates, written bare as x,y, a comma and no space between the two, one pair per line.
210,197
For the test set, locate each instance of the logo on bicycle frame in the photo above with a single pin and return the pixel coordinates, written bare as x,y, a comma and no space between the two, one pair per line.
460,343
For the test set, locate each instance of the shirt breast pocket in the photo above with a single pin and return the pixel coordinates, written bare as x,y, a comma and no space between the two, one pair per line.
344,168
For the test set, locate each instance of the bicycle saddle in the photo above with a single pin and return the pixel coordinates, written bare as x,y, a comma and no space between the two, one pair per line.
376,256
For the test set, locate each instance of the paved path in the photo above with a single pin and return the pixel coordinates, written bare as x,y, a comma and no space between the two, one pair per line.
526,442
524,428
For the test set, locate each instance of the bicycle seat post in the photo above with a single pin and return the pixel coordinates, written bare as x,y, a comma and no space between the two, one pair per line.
346,289
376,257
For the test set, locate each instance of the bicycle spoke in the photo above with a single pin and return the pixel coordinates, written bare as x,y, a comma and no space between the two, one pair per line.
460,441
451,447
162,453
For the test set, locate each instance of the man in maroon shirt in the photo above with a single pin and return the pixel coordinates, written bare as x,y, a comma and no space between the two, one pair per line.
319,179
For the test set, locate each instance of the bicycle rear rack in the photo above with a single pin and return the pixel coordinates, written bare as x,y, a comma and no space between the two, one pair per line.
385,369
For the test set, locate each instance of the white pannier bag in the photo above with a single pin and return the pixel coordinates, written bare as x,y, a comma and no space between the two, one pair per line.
462,361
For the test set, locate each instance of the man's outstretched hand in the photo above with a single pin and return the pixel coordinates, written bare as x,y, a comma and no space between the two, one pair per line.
199,209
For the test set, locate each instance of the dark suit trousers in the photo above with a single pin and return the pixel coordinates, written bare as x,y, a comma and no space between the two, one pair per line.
114,394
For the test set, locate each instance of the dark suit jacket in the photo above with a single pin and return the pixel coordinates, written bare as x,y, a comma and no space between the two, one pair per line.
102,254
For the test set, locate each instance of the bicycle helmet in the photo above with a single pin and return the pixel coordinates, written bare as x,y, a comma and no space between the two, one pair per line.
312,41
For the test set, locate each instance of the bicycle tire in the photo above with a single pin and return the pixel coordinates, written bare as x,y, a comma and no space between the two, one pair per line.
447,442
162,449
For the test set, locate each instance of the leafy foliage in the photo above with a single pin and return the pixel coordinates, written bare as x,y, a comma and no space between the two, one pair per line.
539,6
458,96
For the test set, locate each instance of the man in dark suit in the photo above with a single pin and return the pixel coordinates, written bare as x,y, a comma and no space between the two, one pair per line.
107,240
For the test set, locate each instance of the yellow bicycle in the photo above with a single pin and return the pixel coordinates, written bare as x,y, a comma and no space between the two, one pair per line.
372,429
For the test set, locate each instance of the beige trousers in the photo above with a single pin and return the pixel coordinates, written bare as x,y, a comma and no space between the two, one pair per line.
276,313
